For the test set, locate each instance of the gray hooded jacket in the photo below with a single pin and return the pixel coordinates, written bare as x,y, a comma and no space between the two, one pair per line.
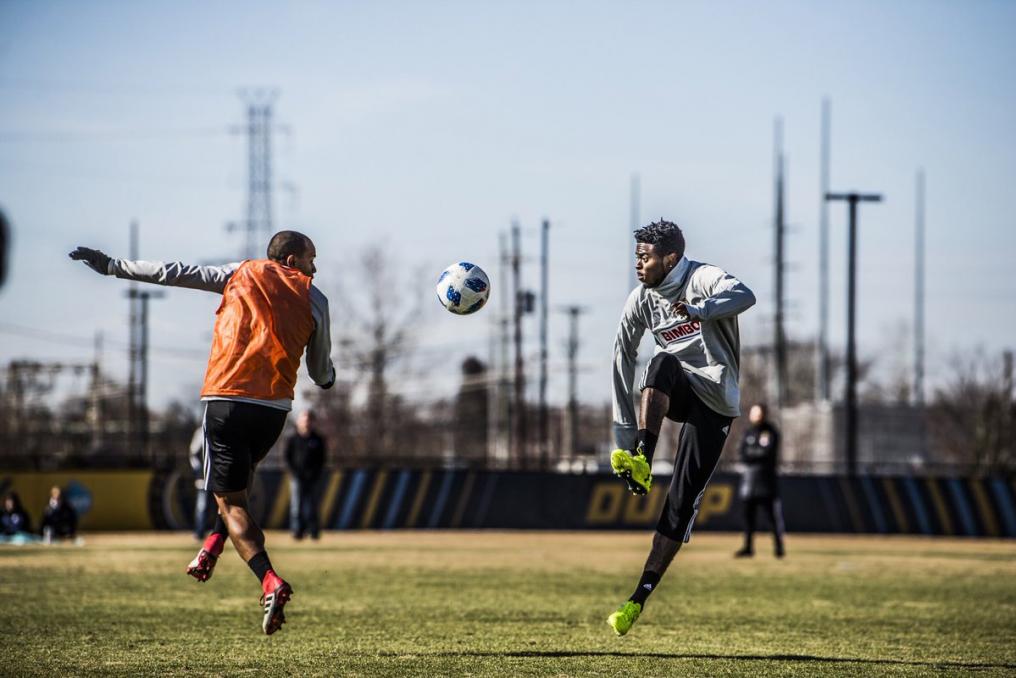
706,340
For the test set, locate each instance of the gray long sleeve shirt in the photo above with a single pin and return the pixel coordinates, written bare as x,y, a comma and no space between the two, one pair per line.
706,341
214,279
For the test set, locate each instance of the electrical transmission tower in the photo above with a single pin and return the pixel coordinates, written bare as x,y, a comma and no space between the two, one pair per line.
257,226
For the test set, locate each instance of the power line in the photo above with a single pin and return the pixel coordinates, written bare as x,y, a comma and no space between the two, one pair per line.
84,342
63,136
146,90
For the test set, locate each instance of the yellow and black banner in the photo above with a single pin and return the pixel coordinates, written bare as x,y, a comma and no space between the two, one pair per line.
394,498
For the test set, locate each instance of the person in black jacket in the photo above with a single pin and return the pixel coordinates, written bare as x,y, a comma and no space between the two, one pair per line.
14,518
305,460
760,450
59,519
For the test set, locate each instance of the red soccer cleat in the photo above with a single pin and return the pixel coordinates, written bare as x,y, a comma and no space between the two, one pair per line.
203,565
276,595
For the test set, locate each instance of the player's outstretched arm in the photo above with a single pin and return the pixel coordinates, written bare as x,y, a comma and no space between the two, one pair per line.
174,274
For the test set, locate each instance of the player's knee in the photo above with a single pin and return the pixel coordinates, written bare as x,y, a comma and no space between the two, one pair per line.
231,501
676,526
663,372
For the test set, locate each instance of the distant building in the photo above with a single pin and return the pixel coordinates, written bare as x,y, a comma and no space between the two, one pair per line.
891,438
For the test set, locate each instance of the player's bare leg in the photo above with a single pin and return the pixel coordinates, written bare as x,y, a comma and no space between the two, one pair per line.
661,554
249,542
246,535
655,404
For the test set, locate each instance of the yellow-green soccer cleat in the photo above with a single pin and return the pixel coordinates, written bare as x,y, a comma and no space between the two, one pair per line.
634,469
625,617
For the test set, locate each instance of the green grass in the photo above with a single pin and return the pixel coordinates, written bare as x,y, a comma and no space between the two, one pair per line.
483,603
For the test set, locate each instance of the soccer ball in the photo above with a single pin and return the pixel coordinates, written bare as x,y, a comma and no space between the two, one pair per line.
463,288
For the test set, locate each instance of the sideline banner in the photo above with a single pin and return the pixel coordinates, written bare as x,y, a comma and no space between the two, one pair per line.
395,498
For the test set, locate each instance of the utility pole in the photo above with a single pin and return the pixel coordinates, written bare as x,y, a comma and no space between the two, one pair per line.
257,225
919,292
573,403
505,411
779,338
850,398
544,286
95,396
519,435
822,367
137,388
132,351
919,313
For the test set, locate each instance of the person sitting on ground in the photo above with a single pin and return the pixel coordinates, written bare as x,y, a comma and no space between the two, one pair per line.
14,518
59,519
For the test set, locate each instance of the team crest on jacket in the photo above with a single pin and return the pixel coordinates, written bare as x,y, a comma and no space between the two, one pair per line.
665,311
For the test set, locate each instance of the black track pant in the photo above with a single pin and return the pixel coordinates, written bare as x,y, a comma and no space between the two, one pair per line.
698,447
773,509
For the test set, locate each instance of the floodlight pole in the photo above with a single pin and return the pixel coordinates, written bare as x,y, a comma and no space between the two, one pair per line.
850,397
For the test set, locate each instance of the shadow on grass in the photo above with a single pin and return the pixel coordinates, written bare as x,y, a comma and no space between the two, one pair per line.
691,655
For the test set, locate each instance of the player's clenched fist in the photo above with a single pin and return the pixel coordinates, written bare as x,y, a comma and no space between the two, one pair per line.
96,260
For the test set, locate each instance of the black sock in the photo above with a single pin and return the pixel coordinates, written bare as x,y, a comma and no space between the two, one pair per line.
647,441
259,565
647,584
220,526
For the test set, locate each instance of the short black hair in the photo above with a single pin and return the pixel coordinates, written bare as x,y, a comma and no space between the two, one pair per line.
285,243
666,236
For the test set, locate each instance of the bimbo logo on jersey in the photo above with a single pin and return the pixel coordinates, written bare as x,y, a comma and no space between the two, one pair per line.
682,331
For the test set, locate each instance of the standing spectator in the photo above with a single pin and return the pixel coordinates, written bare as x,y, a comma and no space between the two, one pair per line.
305,459
759,483
59,519
197,464
14,518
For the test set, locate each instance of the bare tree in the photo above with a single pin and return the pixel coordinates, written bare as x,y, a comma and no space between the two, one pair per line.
973,415
380,306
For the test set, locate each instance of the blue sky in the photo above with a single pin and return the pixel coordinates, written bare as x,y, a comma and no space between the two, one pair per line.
429,126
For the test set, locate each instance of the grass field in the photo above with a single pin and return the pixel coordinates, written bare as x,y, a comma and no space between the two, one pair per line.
483,603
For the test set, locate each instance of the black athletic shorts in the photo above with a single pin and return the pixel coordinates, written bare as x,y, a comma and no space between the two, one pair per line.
699,445
237,436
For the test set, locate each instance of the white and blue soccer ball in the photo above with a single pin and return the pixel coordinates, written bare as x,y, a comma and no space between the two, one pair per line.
463,288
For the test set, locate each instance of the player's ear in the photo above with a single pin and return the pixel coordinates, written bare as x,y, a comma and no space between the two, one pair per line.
290,260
